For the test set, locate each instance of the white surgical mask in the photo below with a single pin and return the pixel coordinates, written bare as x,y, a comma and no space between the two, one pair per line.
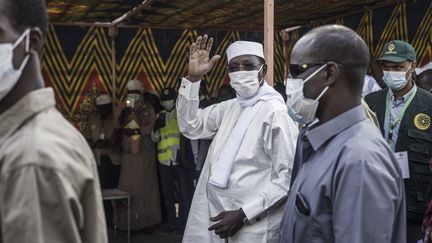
395,80
168,104
300,108
245,83
9,76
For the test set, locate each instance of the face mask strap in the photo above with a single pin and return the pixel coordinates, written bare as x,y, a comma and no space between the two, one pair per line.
259,70
24,63
261,81
322,93
409,77
26,35
314,73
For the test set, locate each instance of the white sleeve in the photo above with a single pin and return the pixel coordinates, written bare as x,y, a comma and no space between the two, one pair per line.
195,123
279,140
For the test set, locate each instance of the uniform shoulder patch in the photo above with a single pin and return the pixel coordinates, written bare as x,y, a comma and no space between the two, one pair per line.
422,121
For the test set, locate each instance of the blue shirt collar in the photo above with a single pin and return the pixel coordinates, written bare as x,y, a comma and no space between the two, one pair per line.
317,136
403,98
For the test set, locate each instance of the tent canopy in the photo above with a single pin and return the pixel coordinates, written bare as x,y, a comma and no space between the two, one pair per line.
209,14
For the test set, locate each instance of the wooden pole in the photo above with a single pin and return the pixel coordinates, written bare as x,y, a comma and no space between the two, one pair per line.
269,39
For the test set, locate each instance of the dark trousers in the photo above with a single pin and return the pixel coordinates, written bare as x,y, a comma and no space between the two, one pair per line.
109,175
176,183
414,231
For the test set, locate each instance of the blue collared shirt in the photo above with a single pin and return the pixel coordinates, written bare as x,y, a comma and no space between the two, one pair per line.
396,106
350,184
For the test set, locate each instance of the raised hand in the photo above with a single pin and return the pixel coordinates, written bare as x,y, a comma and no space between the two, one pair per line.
199,62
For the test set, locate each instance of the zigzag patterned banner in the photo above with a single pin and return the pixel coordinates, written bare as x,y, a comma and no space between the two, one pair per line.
396,28
77,61
69,78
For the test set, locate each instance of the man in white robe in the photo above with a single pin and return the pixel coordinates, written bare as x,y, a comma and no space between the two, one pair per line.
247,172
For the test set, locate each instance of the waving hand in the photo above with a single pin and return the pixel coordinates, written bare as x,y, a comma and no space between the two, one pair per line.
199,62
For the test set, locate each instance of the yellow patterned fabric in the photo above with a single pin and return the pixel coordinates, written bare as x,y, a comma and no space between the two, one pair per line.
78,63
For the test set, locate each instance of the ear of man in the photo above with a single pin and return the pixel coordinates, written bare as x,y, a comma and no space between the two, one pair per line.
36,39
333,73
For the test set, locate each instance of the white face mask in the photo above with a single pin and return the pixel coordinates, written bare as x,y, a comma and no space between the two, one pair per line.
395,80
300,108
168,104
9,76
245,83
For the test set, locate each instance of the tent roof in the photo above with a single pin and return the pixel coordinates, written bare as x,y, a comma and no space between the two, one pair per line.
211,14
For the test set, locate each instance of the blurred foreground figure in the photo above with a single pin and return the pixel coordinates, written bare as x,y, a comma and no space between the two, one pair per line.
49,187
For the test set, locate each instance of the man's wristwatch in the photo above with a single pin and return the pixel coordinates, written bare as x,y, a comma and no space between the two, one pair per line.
245,219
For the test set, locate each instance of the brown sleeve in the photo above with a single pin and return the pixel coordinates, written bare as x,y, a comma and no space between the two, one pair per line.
41,205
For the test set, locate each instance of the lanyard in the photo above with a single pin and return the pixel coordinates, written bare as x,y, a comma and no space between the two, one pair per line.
393,124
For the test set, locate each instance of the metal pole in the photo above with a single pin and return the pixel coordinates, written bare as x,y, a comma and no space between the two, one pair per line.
269,39
131,13
115,216
112,34
128,236
83,24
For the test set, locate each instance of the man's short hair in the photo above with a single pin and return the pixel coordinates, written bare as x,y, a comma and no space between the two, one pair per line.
340,44
344,46
25,14
261,60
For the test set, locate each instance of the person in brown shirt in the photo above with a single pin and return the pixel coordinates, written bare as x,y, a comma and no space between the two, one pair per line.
138,176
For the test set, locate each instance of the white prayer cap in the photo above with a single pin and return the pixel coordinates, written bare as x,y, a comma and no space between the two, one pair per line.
134,85
240,48
103,100
424,68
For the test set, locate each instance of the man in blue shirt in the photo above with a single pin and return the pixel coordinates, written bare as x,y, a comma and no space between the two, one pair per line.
348,186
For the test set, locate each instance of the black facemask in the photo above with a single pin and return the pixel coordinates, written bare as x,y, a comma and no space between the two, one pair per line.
104,110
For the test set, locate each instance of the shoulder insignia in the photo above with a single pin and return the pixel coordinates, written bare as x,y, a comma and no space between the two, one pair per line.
422,121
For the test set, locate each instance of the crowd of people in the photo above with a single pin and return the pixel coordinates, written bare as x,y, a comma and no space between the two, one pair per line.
342,155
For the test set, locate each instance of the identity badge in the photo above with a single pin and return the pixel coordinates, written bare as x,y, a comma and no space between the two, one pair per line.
402,158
